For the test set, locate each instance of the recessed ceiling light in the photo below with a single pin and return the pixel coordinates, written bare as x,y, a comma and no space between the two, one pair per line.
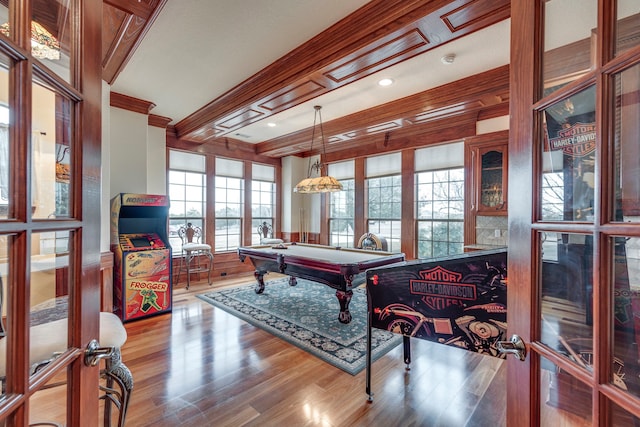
386,82
448,58
271,124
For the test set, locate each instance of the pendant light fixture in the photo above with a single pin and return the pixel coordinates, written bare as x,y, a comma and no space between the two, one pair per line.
320,183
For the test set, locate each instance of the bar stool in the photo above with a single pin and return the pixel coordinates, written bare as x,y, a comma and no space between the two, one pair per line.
192,250
48,340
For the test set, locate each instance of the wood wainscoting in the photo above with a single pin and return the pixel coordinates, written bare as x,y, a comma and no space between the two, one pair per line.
225,265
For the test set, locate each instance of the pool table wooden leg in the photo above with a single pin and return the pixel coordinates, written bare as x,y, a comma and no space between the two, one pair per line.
259,275
344,298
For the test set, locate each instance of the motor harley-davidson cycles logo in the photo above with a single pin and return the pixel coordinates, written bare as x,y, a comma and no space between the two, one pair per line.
440,288
577,140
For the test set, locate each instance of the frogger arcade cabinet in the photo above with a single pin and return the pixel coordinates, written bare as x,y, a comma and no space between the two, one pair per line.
142,254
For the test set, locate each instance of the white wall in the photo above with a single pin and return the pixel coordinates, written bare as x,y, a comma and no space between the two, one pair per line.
492,125
156,160
133,158
300,212
128,150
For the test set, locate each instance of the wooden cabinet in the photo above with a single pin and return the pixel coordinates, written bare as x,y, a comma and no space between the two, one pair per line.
492,180
487,174
486,171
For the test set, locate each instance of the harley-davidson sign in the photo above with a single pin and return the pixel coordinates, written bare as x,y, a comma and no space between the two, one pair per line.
576,141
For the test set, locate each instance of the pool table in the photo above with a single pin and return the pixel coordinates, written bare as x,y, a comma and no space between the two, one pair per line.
339,268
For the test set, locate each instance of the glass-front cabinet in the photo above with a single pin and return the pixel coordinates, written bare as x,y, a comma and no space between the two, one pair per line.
488,160
492,179
486,171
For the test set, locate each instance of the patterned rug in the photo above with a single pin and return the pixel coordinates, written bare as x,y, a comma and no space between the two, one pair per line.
306,315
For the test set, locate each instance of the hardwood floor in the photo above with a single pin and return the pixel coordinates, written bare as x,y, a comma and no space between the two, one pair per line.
200,366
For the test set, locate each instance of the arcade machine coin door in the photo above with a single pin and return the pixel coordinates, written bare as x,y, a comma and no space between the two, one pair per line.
142,253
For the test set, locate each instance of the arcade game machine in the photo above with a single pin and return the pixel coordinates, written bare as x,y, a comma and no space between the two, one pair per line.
142,255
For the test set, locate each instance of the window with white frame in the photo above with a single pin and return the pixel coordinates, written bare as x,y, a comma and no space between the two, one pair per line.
229,194
553,186
187,194
342,205
552,201
384,198
263,199
439,199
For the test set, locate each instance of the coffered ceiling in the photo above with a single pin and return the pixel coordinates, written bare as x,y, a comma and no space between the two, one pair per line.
219,72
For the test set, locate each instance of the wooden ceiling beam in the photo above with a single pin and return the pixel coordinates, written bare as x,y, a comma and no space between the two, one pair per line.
380,34
137,8
475,94
124,25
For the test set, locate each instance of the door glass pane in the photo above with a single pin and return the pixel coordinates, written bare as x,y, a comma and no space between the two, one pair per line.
4,312
564,401
626,312
628,25
49,296
567,295
627,145
569,40
622,418
48,407
4,137
4,18
51,35
568,158
51,154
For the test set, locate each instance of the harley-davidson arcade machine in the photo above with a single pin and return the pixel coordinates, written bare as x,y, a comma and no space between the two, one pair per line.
142,255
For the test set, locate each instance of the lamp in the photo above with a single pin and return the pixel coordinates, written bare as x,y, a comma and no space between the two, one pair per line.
320,183
43,44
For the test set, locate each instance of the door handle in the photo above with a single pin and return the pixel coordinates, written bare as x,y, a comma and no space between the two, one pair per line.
516,347
94,353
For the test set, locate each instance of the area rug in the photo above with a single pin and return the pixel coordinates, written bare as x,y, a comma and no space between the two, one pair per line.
306,315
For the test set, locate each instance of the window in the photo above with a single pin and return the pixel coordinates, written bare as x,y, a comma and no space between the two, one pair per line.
228,204
552,196
440,212
187,192
553,191
342,206
263,199
439,197
384,198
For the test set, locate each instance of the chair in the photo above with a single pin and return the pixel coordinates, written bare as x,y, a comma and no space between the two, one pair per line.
48,338
266,234
372,242
192,250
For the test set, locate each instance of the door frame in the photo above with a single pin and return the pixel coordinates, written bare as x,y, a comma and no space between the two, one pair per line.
85,91
523,378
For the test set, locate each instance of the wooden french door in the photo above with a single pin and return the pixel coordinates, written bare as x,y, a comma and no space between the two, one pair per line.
574,213
50,137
